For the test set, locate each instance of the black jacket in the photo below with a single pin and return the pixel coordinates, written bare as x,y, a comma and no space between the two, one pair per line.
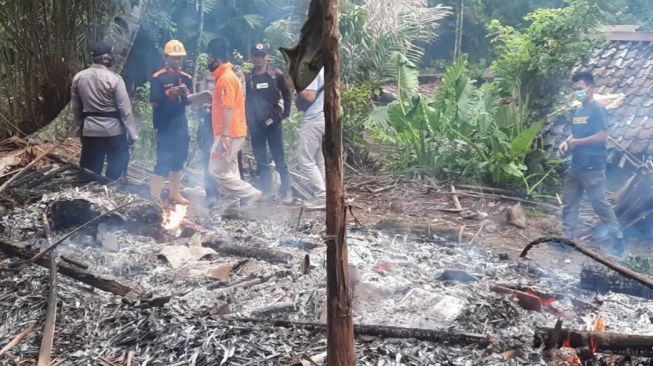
263,94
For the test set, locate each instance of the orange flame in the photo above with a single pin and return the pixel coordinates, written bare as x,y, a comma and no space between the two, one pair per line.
599,326
172,219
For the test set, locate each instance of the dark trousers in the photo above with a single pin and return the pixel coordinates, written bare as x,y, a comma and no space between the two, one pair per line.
171,150
205,141
591,182
114,149
272,136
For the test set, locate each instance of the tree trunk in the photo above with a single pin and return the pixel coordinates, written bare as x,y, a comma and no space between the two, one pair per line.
340,332
198,45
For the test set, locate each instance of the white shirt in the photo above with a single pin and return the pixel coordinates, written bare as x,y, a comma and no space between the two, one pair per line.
316,111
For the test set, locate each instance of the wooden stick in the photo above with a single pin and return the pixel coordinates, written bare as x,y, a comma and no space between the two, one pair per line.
63,238
228,290
299,218
74,262
644,280
454,197
484,189
544,205
18,338
58,362
130,357
430,335
265,254
47,342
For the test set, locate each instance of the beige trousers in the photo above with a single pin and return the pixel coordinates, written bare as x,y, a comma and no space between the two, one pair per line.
311,157
224,168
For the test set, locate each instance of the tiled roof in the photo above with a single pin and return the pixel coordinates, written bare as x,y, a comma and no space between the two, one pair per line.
625,67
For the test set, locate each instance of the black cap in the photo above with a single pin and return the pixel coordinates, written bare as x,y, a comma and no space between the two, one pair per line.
100,49
261,48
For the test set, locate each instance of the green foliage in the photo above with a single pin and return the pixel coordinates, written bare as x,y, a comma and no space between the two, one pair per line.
356,102
464,133
533,65
372,33
146,147
41,47
640,264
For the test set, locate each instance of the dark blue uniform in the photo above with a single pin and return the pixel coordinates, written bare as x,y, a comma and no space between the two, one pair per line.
589,120
587,175
264,116
170,122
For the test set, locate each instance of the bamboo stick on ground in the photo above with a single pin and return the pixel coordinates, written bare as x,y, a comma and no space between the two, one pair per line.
18,338
431,335
47,342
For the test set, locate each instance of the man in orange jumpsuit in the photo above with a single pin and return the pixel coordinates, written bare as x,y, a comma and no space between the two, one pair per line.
229,126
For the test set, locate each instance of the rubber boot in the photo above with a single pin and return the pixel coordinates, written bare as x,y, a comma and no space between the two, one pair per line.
156,186
175,189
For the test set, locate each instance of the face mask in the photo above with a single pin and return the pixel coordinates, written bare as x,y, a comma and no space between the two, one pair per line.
213,65
110,61
581,95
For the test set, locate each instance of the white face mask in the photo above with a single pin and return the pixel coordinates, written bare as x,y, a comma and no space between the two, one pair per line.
582,95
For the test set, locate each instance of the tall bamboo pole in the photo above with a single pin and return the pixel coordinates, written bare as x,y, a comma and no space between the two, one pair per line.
340,332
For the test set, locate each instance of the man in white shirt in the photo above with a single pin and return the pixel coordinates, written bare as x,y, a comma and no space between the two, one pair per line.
311,158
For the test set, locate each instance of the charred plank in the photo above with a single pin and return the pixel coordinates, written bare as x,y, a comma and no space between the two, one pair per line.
66,269
616,343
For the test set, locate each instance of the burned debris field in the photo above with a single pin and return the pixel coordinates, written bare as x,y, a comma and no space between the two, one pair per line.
149,286
326,183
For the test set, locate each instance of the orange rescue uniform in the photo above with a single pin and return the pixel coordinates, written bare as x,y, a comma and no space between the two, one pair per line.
228,95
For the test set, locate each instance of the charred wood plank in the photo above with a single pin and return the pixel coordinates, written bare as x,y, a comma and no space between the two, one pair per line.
644,280
264,254
624,344
67,269
383,331
601,279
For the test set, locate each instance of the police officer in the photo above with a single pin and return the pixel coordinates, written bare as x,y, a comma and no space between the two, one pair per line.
265,87
102,112
170,87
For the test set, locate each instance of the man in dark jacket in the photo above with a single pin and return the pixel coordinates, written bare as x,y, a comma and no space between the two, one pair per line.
170,89
266,87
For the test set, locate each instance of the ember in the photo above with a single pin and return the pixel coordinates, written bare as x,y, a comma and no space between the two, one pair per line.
174,218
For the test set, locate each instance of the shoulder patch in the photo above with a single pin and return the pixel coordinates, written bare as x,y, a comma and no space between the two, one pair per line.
159,73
